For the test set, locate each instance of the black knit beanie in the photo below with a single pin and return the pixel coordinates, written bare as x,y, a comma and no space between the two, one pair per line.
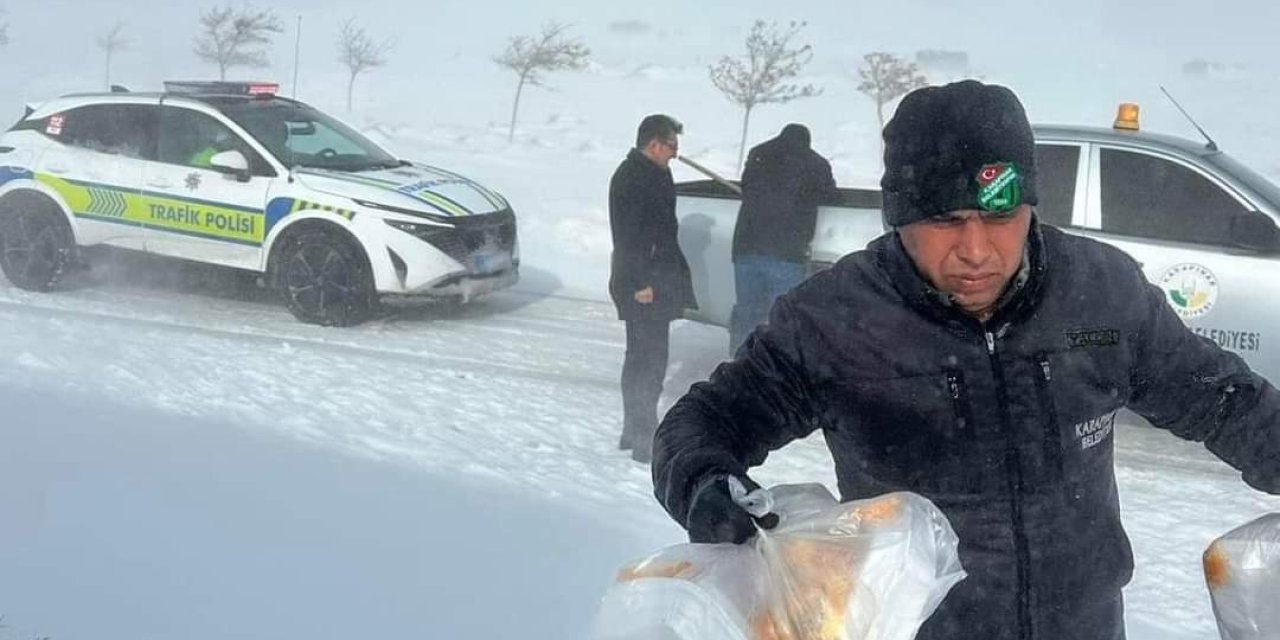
965,145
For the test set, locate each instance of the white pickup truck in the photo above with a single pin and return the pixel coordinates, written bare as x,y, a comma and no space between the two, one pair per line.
1203,226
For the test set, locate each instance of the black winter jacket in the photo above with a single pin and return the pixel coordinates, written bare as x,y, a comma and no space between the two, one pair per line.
783,183
1006,426
646,251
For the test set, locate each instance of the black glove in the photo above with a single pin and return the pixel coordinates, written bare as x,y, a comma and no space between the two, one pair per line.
715,517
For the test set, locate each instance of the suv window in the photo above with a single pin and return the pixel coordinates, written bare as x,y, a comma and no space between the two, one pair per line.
1148,196
190,138
1056,168
118,129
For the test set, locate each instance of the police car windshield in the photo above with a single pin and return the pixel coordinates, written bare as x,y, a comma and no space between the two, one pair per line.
298,135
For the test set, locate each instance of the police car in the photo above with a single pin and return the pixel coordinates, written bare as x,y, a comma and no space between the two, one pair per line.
233,174
1205,227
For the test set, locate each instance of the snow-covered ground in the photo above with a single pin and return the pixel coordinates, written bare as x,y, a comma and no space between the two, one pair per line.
179,458
177,464
121,522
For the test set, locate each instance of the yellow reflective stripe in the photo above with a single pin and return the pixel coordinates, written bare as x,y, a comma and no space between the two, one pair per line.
104,202
442,204
203,219
305,205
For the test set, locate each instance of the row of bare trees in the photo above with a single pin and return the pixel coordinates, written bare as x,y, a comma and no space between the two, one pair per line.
231,37
765,74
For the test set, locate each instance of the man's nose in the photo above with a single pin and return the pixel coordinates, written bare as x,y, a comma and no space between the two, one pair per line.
974,247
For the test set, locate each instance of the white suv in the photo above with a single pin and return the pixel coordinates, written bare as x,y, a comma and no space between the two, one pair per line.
232,174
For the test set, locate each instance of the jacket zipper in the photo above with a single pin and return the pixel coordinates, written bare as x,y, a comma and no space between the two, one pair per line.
963,423
1052,437
1014,476
959,404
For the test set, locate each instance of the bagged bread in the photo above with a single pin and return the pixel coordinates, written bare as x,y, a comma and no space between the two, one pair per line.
864,570
1242,571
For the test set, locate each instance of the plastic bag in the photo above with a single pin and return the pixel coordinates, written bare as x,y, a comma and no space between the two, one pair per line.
1242,570
865,570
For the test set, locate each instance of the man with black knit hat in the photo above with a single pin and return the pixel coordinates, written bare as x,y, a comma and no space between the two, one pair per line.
977,357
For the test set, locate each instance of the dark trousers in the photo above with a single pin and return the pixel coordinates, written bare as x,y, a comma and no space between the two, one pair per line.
643,370
758,281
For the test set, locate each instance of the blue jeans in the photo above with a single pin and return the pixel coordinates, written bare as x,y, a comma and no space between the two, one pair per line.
758,280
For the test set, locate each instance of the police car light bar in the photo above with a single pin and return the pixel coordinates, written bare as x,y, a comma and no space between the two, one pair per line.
222,88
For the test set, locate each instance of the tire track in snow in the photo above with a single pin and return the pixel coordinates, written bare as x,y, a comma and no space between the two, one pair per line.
435,361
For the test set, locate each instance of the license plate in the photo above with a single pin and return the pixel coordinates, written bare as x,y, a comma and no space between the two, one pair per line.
487,262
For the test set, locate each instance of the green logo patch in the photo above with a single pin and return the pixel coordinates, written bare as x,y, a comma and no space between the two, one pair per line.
999,189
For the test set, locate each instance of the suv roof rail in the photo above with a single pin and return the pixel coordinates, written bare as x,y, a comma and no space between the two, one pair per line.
119,88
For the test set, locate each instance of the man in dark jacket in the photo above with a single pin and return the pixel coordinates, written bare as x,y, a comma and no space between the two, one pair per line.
976,357
650,282
782,185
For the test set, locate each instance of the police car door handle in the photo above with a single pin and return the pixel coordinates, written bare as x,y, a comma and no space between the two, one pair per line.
56,168
159,183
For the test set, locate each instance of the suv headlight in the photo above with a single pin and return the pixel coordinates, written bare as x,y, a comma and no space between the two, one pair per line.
421,230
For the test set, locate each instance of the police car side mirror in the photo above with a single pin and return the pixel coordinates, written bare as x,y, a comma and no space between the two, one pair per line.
232,163
1256,231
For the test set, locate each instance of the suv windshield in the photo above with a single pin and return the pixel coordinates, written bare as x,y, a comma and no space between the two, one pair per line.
300,136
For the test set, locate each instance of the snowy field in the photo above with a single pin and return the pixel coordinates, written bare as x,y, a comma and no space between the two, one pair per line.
193,465
180,459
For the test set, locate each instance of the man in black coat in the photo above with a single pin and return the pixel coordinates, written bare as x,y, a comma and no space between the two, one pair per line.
979,358
649,282
782,185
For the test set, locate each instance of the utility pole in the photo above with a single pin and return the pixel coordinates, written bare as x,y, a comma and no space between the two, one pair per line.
297,48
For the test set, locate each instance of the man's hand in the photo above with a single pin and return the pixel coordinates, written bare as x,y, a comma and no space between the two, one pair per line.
645,295
715,517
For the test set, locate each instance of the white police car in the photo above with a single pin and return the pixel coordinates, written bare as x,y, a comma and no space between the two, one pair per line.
232,174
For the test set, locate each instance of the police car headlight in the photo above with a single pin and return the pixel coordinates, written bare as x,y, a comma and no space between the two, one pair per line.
425,231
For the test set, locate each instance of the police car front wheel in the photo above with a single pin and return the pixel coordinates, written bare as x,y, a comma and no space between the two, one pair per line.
325,280
36,246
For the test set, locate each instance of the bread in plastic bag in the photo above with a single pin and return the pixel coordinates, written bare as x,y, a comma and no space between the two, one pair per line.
870,569
1242,570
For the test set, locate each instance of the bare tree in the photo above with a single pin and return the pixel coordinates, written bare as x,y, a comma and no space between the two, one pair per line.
111,43
761,76
359,53
231,38
532,56
886,77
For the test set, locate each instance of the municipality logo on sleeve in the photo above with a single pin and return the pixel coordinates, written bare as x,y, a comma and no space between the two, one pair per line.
1191,289
998,187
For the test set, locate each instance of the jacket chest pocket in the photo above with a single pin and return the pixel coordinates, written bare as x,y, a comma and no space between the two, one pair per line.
916,432
1080,395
